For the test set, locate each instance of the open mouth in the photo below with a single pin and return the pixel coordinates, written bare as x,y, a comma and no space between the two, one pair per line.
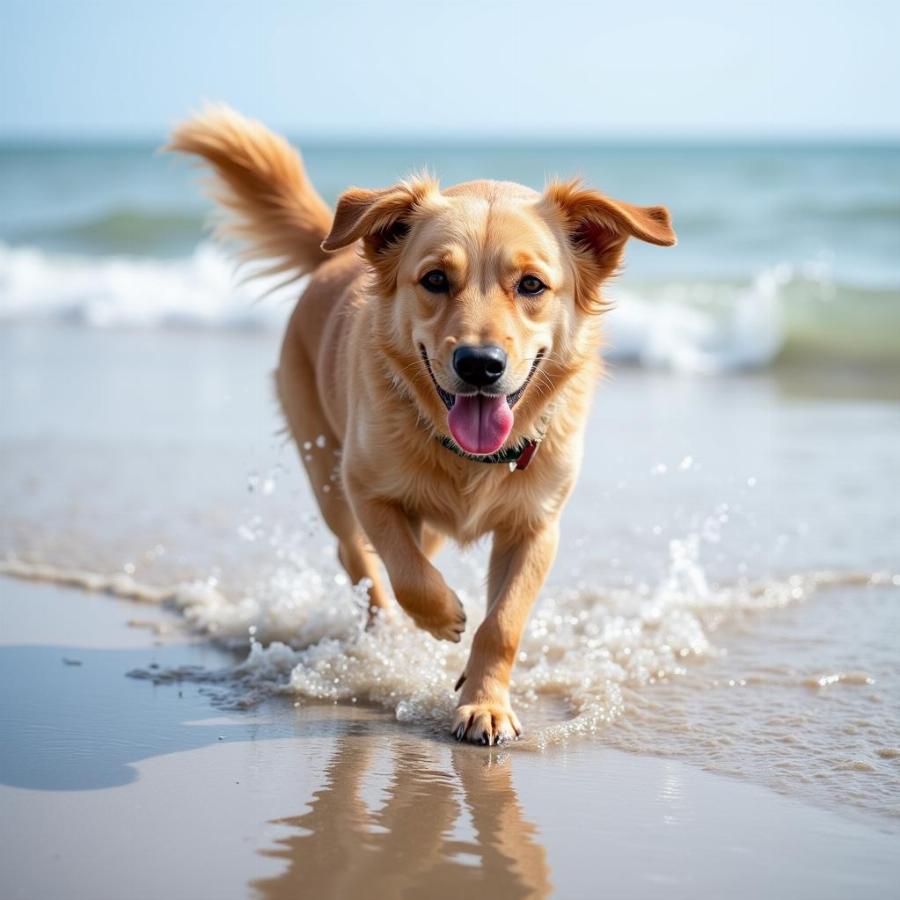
513,398
480,423
447,398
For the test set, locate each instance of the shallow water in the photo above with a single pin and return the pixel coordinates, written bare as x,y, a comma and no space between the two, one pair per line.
725,593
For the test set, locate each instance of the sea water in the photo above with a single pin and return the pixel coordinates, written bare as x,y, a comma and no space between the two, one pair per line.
784,250
726,590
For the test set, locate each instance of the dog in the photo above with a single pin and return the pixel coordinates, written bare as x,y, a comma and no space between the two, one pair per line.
446,348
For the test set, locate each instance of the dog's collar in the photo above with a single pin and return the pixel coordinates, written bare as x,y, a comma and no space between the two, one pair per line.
517,457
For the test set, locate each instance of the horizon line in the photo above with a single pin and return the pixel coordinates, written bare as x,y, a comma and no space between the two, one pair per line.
40,138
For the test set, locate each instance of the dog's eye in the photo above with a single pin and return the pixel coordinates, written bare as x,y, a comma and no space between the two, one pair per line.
435,281
531,286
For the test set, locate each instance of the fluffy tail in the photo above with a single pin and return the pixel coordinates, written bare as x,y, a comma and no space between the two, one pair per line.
258,178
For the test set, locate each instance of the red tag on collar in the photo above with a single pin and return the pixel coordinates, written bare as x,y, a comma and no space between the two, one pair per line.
527,455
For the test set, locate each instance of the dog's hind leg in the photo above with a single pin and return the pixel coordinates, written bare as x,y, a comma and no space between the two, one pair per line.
319,450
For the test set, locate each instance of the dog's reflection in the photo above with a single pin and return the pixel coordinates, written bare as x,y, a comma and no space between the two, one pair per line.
343,849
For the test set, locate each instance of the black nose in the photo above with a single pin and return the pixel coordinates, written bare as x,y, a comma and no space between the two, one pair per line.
479,366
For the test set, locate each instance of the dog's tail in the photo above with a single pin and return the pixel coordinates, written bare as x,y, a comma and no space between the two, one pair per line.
259,180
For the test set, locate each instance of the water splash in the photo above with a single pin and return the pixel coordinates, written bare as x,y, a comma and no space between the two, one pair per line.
582,649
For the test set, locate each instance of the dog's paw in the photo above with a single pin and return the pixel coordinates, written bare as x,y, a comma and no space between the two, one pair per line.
485,723
432,605
445,621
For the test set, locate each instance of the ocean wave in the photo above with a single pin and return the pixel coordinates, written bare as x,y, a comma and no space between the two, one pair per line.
131,230
864,211
199,291
701,328
684,325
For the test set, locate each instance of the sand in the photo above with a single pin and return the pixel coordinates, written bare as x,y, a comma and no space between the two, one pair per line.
113,786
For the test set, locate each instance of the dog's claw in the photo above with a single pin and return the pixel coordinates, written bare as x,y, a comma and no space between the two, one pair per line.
486,724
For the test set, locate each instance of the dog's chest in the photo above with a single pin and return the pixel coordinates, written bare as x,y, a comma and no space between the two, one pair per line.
470,503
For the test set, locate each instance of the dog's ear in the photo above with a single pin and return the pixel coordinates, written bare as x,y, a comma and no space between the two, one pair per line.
598,227
380,218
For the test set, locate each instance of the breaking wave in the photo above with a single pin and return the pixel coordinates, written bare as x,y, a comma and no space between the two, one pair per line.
705,327
199,291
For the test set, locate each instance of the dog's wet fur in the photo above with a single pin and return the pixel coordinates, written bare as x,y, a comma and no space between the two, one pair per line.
368,362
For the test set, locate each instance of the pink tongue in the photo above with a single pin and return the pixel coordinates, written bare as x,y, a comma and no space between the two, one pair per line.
480,424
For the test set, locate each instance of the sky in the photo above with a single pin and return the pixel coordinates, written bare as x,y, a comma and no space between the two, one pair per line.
519,71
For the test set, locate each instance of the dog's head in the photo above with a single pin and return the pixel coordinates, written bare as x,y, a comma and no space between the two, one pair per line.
488,292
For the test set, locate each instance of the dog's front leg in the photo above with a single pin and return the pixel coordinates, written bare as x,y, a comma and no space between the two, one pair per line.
519,564
418,586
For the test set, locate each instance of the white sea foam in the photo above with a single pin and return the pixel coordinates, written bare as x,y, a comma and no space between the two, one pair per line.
695,327
702,328
200,291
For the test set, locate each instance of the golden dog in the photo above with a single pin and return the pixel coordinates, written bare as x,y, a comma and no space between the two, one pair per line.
443,337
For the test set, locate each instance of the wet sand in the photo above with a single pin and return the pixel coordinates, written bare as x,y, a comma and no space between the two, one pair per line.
113,786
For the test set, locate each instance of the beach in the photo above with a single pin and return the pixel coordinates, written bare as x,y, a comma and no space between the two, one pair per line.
155,790
709,682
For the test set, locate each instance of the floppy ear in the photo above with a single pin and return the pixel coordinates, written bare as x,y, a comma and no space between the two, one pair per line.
381,218
598,228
